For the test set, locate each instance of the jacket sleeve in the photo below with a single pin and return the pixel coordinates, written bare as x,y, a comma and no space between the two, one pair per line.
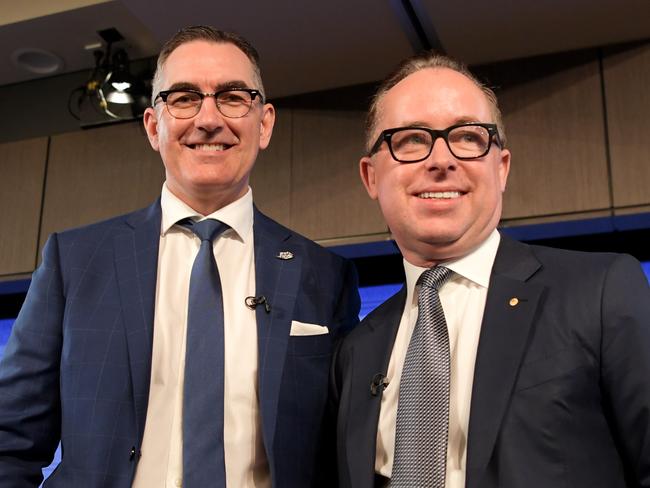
625,366
29,379
346,314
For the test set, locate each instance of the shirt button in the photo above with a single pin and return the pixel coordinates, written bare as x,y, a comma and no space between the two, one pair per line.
178,482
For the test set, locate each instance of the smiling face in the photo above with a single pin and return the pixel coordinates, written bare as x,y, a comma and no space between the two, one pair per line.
208,158
441,208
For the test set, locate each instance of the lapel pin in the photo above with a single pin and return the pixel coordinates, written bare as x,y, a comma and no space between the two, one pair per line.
285,255
514,301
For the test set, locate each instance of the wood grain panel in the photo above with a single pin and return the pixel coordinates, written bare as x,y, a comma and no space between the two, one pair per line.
328,199
22,165
581,216
555,124
99,173
271,177
627,79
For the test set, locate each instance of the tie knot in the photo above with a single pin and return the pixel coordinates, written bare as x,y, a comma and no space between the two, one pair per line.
434,277
206,230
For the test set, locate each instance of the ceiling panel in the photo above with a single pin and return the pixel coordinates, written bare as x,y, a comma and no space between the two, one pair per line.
66,33
482,32
304,46
311,46
18,11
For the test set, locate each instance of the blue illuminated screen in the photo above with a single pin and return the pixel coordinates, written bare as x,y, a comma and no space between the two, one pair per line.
5,329
373,296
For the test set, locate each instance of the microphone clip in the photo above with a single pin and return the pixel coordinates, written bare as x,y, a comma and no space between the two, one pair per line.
253,302
379,384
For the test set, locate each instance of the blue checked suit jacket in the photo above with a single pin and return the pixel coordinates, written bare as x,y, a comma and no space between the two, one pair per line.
77,365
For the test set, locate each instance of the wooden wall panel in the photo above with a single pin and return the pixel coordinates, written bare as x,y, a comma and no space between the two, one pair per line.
97,174
328,199
271,177
22,166
308,177
554,120
627,96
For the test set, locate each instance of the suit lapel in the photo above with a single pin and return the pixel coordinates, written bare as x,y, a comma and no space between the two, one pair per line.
369,358
136,262
278,280
505,332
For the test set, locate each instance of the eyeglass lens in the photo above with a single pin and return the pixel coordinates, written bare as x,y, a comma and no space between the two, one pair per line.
467,141
231,103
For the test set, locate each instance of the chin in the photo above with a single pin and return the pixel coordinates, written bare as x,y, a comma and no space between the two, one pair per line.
439,235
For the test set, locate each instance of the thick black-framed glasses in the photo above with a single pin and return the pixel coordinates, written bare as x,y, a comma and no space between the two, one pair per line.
233,103
414,144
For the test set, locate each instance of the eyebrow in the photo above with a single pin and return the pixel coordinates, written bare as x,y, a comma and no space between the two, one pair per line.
417,123
232,84
460,120
467,120
183,85
228,85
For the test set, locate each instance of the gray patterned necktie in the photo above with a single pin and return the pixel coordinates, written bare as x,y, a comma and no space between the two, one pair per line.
423,408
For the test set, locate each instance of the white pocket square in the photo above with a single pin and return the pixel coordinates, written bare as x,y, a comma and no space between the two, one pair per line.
304,329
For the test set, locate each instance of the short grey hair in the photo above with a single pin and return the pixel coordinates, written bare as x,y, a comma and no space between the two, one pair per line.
210,34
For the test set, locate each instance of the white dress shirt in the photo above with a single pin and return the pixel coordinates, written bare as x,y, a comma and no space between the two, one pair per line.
161,464
463,300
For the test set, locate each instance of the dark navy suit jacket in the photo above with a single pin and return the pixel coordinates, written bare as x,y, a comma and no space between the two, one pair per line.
561,393
77,365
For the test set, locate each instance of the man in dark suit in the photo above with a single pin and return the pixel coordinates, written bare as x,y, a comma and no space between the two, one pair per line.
536,360
98,358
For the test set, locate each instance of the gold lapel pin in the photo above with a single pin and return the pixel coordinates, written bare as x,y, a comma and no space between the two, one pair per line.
514,301
285,255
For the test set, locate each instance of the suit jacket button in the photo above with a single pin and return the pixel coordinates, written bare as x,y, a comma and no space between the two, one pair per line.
132,455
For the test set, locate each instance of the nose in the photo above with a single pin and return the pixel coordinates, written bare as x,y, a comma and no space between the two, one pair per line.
209,118
441,158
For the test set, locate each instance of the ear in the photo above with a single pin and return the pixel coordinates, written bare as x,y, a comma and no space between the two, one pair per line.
266,125
368,176
151,126
504,168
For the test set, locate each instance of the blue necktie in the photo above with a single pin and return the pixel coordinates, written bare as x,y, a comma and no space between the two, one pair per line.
203,457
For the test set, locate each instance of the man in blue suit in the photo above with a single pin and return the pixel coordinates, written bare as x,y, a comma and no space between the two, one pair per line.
97,356
529,366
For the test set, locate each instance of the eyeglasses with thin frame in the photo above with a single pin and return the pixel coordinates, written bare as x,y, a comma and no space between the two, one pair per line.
414,144
233,103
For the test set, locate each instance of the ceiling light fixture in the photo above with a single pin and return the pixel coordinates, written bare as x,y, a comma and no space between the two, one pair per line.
120,84
111,91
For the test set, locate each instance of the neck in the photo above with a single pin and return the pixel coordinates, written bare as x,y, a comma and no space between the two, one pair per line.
207,204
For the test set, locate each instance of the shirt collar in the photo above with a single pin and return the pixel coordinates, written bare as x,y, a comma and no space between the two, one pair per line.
238,214
475,266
